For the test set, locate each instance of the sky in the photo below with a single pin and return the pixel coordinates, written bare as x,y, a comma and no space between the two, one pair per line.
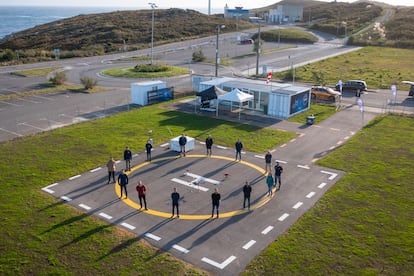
164,4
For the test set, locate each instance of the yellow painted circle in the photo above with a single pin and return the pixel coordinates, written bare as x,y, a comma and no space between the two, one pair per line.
135,205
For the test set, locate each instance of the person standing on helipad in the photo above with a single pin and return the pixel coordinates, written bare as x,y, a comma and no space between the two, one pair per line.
148,148
270,183
111,165
175,198
239,147
247,190
127,158
268,162
278,175
209,144
123,182
182,141
142,190
215,200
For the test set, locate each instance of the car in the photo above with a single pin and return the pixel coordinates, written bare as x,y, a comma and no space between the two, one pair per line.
324,93
247,41
411,90
353,85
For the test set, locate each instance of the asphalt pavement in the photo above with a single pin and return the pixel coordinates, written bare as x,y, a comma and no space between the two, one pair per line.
224,245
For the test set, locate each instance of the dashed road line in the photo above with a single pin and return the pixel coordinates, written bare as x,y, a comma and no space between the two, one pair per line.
74,177
48,190
65,198
39,128
95,170
311,194
281,161
335,129
104,215
297,205
165,145
283,217
86,207
249,244
333,175
259,156
152,236
127,225
323,184
303,167
267,230
219,265
339,143
284,145
221,147
180,248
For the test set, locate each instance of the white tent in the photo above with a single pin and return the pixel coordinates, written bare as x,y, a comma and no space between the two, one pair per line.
234,96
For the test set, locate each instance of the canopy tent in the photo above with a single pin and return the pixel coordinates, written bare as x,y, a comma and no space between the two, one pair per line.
234,96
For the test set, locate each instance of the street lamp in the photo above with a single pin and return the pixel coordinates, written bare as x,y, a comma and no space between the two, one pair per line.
218,27
153,6
258,52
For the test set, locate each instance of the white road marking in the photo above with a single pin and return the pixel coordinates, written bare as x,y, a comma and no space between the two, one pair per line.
127,225
303,167
95,170
301,135
135,155
180,248
12,104
249,244
11,132
346,138
86,207
152,236
39,128
221,147
74,177
293,140
267,230
26,100
37,96
321,185
339,143
284,145
333,175
65,198
164,145
259,156
108,217
311,194
281,161
331,148
297,205
189,184
335,129
218,265
283,217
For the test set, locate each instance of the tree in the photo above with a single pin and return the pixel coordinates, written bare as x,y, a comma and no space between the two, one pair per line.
198,56
58,79
88,83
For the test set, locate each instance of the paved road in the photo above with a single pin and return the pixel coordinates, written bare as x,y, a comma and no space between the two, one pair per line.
226,245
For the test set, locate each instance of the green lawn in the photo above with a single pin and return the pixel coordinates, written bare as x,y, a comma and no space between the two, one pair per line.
42,236
364,225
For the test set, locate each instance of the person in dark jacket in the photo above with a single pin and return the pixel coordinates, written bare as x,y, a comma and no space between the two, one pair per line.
148,148
209,144
268,162
175,198
142,191
123,182
278,175
182,141
127,158
247,190
215,199
239,147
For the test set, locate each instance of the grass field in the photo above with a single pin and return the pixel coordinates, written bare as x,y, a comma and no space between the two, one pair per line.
42,236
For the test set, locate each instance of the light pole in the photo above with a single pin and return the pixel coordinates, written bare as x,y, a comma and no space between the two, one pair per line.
258,52
218,27
153,6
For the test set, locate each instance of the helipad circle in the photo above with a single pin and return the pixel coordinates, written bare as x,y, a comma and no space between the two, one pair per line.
135,205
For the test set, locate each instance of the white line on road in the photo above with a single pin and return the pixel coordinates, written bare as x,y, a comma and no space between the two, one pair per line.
127,225
189,184
284,145
249,244
221,147
11,132
95,170
333,175
283,217
320,186
303,167
267,230
164,145
86,207
259,156
152,236
281,161
199,178
39,128
311,194
108,217
218,265
180,248
297,205
74,177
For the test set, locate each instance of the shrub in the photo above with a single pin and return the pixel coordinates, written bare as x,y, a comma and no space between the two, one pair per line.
198,56
58,79
88,83
151,68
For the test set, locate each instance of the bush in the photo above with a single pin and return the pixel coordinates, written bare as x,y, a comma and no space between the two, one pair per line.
198,56
58,79
88,83
151,68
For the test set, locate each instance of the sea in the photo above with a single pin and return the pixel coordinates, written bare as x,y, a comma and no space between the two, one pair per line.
18,18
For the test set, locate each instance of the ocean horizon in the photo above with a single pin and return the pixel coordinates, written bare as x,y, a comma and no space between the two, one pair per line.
18,18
